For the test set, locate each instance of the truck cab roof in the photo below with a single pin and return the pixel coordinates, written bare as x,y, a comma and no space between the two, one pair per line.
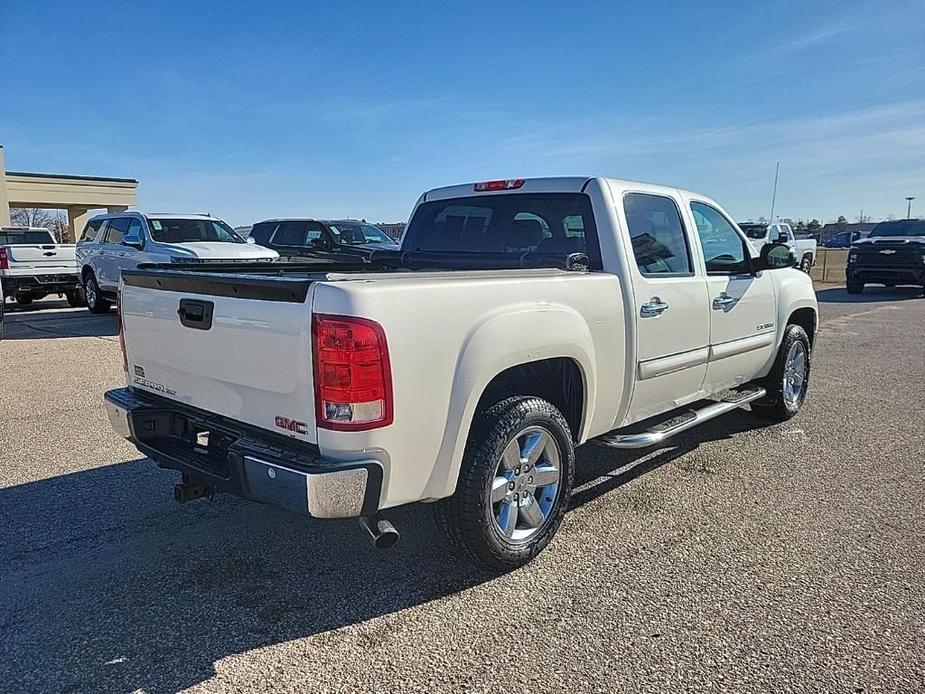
551,184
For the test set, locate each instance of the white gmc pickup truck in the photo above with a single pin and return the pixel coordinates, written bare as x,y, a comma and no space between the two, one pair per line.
520,319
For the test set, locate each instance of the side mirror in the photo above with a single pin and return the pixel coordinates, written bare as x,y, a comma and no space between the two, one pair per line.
319,243
774,256
249,239
782,238
134,240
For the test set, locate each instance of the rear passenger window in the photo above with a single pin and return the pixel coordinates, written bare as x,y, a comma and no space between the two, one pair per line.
262,232
116,230
90,231
290,234
657,234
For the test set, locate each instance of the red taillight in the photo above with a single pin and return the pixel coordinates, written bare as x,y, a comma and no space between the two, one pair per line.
4,260
509,184
353,378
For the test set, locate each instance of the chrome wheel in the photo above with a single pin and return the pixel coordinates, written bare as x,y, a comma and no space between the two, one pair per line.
795,368
525,488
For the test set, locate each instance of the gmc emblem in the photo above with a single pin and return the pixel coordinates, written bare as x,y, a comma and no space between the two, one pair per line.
291,425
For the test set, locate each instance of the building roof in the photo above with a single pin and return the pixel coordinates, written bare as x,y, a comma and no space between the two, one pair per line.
71,177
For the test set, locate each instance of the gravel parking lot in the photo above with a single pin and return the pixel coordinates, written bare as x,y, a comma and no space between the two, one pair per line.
742,557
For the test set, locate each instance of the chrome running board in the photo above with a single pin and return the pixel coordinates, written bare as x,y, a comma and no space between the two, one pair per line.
682,422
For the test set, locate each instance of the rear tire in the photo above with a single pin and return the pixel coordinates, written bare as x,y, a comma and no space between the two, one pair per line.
24,299
855,287
501,515
95,300
75,297
789,378
806,264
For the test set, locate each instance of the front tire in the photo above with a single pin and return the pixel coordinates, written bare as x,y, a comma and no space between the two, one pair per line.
789,378
806,264
24,299
95,300
514,484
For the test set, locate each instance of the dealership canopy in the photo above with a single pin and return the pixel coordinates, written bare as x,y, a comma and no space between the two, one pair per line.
76,194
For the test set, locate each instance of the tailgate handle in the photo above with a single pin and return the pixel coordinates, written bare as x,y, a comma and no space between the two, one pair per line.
196,314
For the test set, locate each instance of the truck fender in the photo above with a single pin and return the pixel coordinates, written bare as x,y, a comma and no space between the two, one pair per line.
510,337
794,292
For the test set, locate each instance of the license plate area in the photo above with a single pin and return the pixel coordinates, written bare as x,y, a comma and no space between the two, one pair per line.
196,442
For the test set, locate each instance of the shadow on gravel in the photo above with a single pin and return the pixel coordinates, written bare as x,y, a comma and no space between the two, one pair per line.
33,323
610,468
108,585
840,295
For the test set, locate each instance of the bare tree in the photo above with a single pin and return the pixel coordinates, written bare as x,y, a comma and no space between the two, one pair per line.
59,227
53,220
31,217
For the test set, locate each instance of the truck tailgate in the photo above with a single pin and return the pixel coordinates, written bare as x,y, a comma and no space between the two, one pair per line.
236,346
42,258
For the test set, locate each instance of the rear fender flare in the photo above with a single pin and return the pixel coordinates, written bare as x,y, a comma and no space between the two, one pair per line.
517,335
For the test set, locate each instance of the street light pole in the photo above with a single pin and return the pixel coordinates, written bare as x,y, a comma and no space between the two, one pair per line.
909,199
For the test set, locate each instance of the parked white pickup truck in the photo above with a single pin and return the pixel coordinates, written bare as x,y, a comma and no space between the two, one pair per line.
521,318
804,250
33,265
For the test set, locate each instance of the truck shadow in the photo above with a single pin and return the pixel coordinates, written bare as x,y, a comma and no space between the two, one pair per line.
36,322
871,294
111,586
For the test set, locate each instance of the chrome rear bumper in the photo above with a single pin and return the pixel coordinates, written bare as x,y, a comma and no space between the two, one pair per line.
231,457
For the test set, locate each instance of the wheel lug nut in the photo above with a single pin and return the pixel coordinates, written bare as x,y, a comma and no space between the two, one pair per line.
511,485
525,495
530,479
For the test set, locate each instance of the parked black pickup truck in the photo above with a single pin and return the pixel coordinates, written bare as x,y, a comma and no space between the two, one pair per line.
893,254
334,241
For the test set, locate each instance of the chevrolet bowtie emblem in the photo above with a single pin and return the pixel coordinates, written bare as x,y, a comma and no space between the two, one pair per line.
887,251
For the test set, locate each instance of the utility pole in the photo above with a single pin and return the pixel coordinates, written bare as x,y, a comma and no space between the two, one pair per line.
909,199
774,195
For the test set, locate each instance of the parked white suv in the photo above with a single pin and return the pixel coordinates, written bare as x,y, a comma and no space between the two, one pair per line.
112,243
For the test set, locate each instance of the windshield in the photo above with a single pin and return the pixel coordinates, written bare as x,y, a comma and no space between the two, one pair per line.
543,228
903,227
357,233
25,237
186,230
754,231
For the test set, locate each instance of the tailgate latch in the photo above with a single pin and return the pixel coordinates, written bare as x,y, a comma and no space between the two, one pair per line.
196,314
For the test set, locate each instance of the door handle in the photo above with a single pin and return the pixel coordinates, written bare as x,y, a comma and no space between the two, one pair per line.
723,301
653,307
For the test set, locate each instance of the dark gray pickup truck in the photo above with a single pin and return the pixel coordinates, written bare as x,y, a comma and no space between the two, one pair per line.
893,254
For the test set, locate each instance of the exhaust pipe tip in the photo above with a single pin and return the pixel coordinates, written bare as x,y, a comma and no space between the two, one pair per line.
382,533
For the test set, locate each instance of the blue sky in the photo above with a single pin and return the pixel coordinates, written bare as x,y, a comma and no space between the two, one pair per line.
252,110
